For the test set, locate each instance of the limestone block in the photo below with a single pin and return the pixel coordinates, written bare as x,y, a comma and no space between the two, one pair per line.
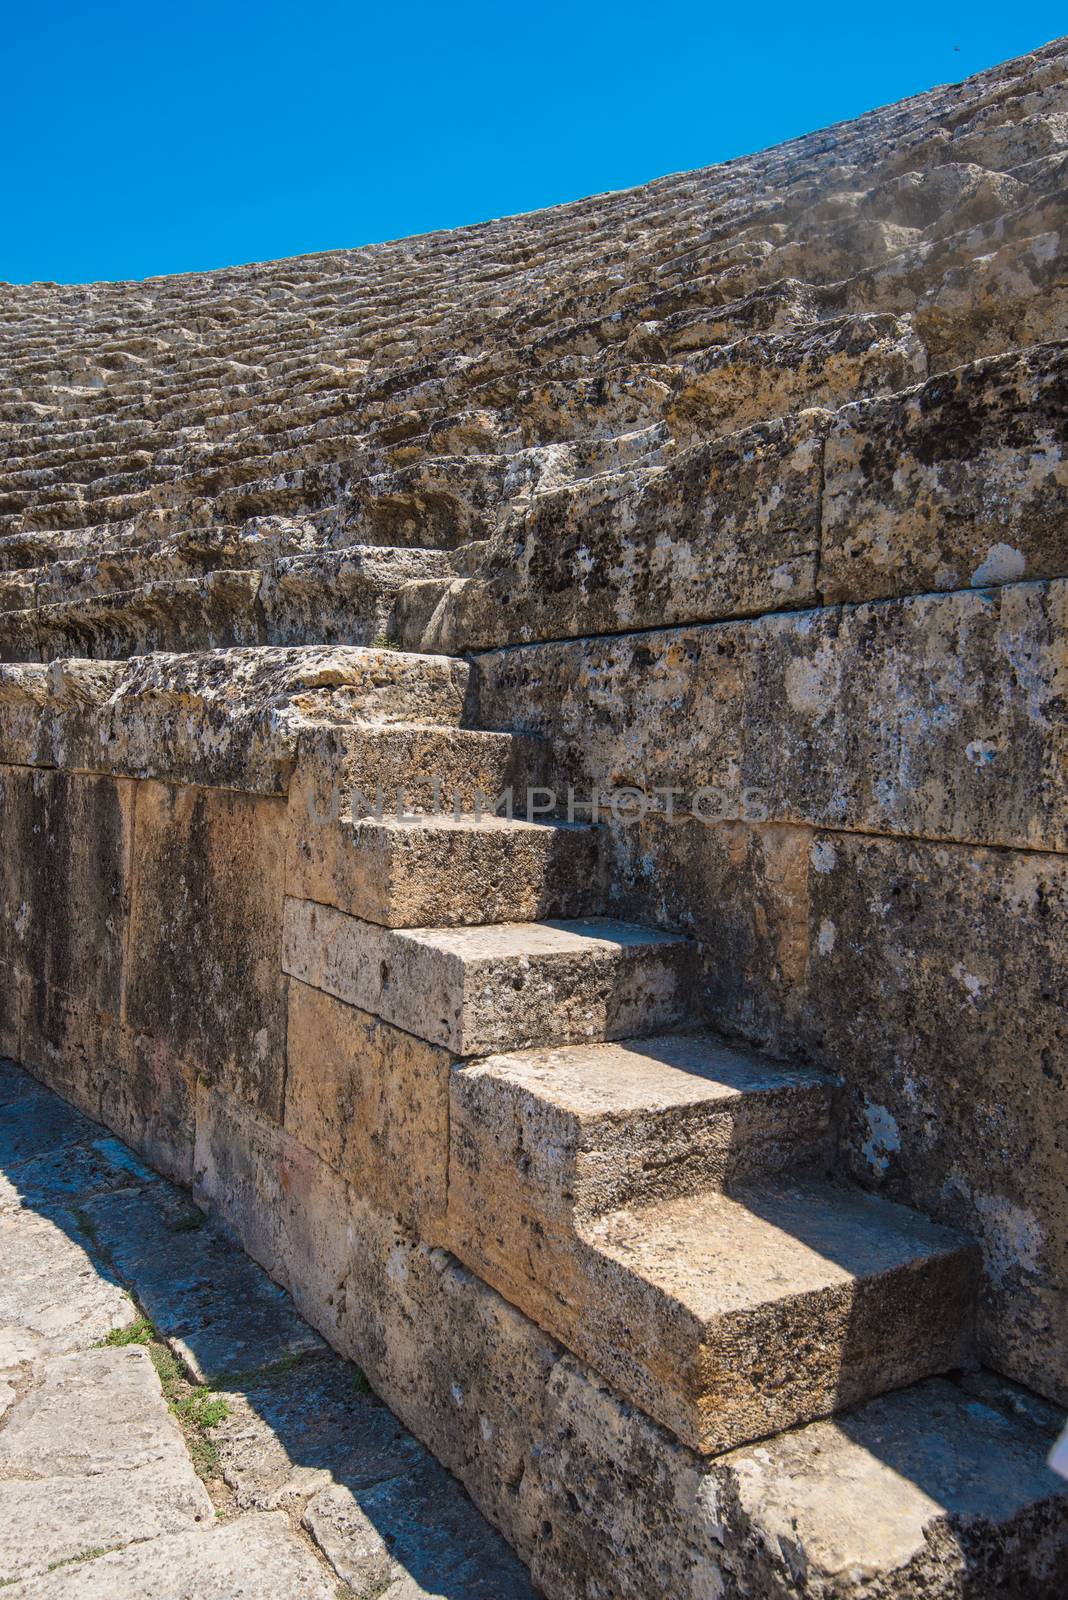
123,1420
371,1101
741,890
730,527
927,1459
294,1214
342,596
412,1538
205,931
217,610
935,990
11,999
77,887
219,1561
935,716
147,1095
766,375
418,768
500,987
300,1431
444,871
67,1046
962,481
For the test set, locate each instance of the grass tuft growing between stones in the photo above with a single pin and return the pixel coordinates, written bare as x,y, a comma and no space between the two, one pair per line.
139,1332
196,1408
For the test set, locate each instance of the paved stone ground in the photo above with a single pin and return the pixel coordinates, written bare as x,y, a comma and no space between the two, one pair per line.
170,1429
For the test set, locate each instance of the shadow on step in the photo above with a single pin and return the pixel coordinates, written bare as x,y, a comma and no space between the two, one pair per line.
92,1241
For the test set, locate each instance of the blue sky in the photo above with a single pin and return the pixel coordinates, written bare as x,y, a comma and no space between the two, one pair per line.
152,138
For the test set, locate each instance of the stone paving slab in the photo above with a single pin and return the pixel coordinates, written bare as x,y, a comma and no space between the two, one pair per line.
254,1558
410,1536
51,1520
320,1492
71,1174
385,1514
185,1272
90,1412
288,1438
52,1296
47,1124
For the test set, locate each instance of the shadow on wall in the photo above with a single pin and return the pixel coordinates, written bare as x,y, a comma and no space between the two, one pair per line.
304,1433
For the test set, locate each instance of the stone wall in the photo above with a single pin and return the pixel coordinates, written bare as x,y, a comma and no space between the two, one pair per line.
880,886
145,973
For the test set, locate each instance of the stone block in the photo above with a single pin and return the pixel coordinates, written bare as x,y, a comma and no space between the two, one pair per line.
147,1095
935,990
500,987
372,1102
729,527
436,872
205,931
936,716
960,482
766,375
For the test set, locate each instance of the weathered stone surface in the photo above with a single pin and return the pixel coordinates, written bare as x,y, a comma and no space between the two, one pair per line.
508,986
937,717
580,1482
253,1558
731,527
446,871
182,1270
204,989
372,1101
929,977
960,482
62,1175
935,988
766,375
559,434
412,1537
593,1128
306,1429
343,596
680,1303
230,718
413,769
122,1422
910,1494
52,1299
47,1521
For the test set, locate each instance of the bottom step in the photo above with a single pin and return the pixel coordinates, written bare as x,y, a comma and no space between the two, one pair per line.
934,1491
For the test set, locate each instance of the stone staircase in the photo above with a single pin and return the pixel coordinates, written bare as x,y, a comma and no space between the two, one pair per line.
662,1203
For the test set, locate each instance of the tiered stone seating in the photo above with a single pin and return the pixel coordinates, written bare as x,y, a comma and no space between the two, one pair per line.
419,396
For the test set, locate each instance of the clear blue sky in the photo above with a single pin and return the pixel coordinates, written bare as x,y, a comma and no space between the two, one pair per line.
167,137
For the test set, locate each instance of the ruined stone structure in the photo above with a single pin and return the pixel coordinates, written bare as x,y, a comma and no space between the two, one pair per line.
693,1185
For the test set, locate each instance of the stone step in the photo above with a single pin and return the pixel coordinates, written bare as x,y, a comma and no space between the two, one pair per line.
602,1126
501,987
903,1497
726,1317
417,766
445,871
